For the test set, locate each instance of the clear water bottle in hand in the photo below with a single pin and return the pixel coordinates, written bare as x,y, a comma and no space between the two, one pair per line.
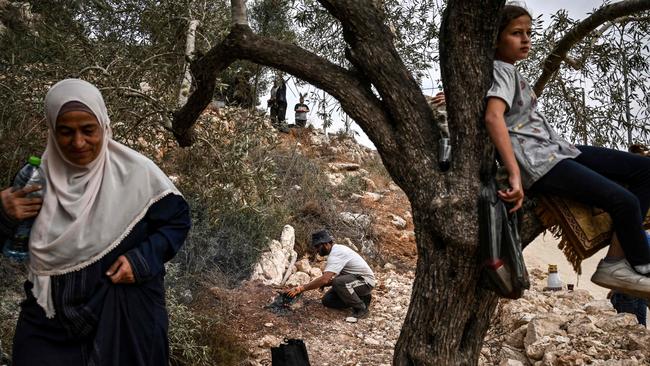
31,174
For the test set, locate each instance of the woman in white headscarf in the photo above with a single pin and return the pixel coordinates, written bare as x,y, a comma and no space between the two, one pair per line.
109,221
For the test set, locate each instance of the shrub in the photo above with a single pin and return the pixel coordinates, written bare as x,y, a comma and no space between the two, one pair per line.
12,276
307,196
229,245
378,171
351,184
199,333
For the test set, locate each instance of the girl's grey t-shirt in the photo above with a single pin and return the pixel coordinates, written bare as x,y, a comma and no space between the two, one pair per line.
536,146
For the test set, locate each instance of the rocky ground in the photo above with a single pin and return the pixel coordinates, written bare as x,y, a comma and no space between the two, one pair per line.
330,340
542,328
563,328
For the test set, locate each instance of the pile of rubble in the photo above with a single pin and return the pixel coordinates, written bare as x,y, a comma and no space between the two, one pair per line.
542,328
329,339
563,328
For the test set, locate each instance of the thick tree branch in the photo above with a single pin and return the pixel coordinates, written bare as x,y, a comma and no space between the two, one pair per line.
577,64
581,30
355,97
205,70
347,87
372,50
530,225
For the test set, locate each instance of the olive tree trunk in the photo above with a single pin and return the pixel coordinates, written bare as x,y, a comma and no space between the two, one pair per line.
449,313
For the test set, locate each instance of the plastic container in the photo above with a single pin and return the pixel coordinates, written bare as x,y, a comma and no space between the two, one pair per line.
16,247
553,281
444,144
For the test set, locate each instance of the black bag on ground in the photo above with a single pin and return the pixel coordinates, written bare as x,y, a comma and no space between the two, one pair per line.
502,259
292,352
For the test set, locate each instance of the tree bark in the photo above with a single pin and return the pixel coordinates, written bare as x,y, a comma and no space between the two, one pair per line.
239,12
580,31
449,312
186,83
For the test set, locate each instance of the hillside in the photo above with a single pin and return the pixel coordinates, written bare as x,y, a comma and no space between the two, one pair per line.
543,328
252,189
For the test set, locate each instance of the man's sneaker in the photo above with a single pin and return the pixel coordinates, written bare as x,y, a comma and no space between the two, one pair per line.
621,277
360,313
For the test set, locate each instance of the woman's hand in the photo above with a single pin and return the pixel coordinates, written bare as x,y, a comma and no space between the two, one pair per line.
514,194
19,207
120,271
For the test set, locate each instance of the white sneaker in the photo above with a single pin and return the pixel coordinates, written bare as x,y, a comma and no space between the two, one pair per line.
620,276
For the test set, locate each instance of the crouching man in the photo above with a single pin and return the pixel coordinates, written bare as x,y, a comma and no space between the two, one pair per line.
351,278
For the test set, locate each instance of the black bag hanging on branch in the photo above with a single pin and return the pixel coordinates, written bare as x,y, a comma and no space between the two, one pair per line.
292,352
502,258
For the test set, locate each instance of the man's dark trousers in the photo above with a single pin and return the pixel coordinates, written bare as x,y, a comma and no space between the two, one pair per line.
348,291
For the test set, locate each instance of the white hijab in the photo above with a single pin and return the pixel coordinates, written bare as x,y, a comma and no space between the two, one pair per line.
87,210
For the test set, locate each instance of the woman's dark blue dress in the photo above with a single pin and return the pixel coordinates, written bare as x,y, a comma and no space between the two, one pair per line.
97,322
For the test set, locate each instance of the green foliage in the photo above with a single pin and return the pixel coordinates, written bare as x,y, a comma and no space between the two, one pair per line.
199,336
229,165
187,335
600,94
307,198
227,248
12,276
351,184
413,24
229,177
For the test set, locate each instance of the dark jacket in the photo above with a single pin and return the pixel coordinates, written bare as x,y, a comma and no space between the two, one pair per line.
98,322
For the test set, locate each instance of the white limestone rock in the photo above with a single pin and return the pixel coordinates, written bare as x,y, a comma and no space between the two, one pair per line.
315,272
273,263
356,219
297,279
398,221
303,265
335,179
372,196
269,341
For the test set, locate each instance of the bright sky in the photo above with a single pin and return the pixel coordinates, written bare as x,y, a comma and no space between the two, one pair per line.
576,9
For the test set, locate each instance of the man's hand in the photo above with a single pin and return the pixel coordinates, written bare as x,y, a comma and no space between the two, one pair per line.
121,271
19,207
295,291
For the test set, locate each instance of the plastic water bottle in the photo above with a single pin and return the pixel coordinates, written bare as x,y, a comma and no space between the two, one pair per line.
31,174
444,143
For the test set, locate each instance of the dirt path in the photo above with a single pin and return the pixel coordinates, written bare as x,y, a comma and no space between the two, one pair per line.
330,340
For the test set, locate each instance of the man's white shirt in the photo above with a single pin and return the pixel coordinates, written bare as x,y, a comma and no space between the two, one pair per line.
343,261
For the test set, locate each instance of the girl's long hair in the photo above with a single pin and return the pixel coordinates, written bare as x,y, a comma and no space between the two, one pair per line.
509,13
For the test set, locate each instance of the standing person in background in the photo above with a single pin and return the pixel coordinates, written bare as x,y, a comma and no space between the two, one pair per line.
281,101
278,104
110,219
301,109
624,303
